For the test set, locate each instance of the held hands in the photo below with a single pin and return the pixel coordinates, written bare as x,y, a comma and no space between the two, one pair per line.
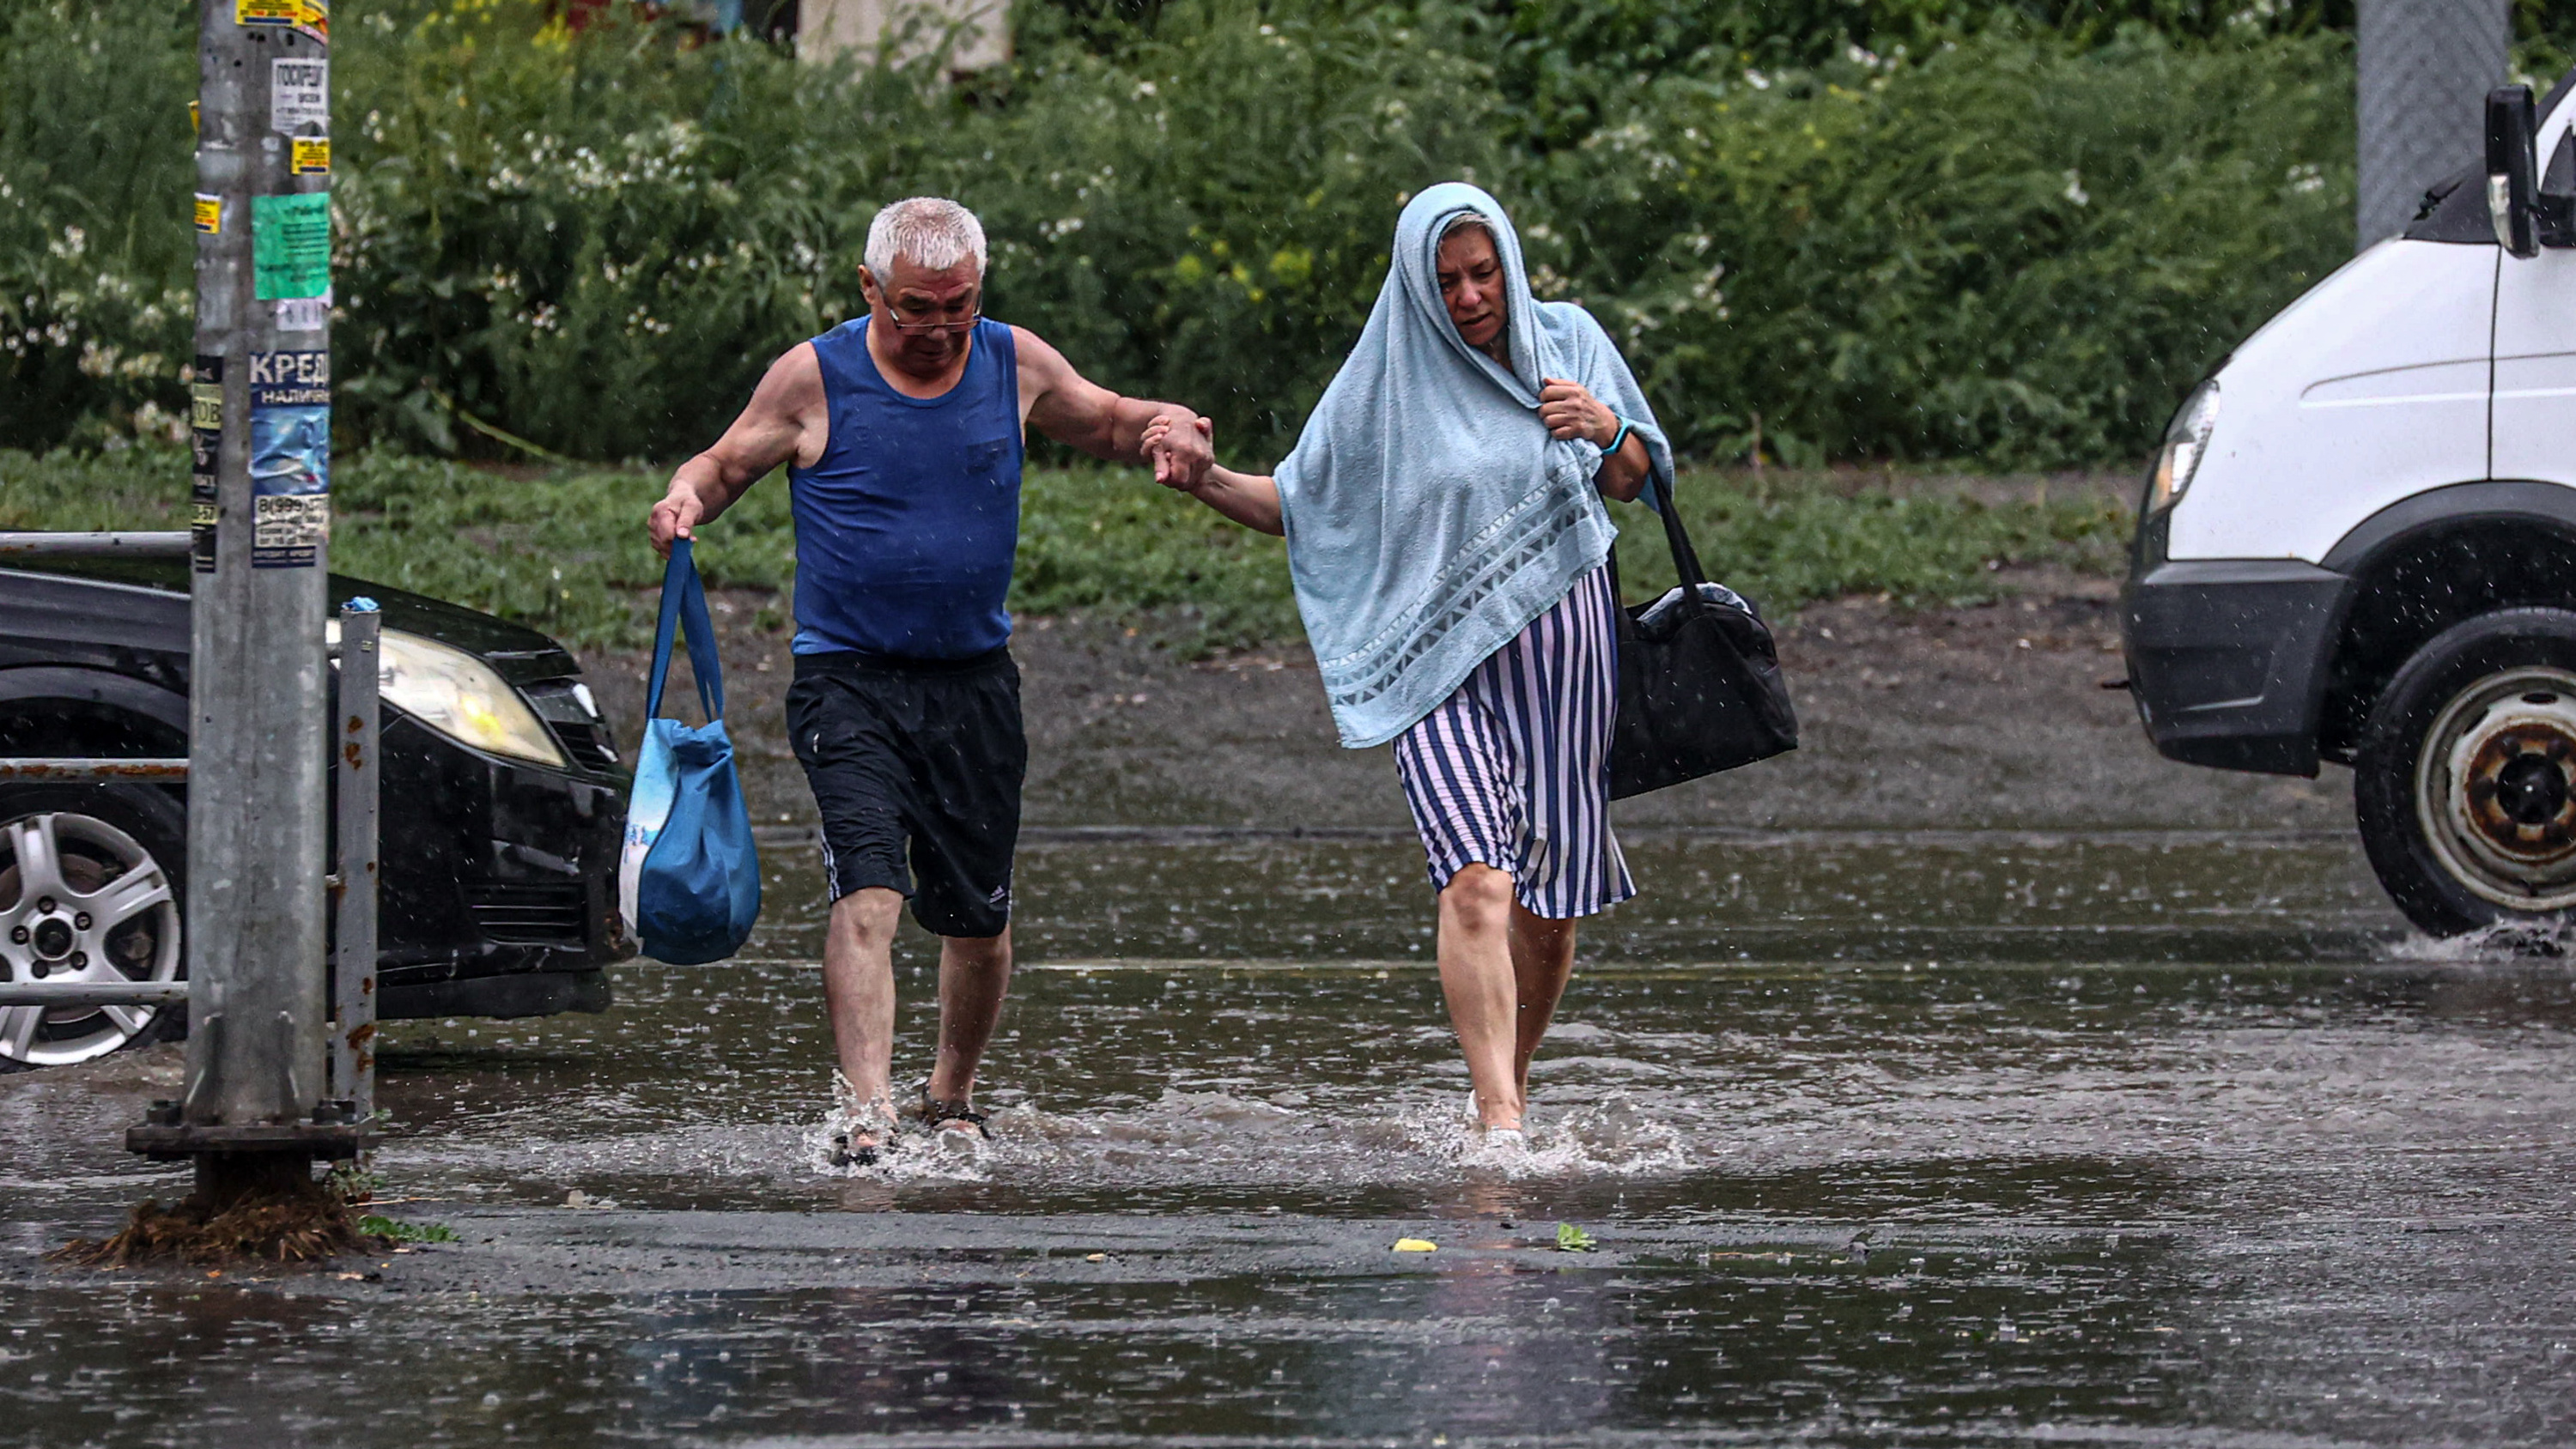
1571,411
1181,454
676,516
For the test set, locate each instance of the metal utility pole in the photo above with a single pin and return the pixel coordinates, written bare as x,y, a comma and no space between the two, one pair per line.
253,1114
2424,70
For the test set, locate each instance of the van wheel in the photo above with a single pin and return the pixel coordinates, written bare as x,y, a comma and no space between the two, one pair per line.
2465,782
90,889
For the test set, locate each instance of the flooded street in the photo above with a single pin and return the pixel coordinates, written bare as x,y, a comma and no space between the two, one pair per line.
2155,1137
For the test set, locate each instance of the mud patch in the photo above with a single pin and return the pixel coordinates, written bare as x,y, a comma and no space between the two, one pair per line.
301,1223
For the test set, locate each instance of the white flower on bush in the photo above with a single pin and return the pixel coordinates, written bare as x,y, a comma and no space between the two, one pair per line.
153,421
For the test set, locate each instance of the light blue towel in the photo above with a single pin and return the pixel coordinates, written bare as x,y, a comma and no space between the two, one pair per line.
1430,517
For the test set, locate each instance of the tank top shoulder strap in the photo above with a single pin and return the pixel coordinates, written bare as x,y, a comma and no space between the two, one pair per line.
843,354
994,340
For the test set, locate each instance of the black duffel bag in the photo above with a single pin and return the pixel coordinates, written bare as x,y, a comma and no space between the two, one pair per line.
1699,686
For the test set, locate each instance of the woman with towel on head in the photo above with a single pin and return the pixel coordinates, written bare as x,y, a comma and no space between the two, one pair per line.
1449,548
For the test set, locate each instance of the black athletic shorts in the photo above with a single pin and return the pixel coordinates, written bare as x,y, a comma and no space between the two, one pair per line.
921,757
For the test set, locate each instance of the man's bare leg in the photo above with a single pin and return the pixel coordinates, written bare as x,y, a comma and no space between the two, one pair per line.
1476,977
974,974
858,992
1542,961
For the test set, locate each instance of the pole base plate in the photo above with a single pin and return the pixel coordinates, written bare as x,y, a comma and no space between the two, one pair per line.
177,1142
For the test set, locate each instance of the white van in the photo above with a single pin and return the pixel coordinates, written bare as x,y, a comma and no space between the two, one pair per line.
2359,542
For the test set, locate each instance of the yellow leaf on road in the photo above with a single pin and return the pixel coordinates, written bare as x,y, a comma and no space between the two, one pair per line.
1416,1245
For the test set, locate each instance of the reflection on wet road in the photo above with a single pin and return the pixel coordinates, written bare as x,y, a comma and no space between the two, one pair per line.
2149,1139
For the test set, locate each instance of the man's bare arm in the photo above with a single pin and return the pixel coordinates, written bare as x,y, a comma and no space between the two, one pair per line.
787,420
1073,410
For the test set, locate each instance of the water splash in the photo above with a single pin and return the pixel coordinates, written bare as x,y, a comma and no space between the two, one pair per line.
1613,1137
903,1155
2504,941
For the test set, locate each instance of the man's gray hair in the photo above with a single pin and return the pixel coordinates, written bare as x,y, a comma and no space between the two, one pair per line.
931,232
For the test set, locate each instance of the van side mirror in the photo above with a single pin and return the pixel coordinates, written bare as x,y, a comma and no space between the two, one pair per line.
2557,205
2512,189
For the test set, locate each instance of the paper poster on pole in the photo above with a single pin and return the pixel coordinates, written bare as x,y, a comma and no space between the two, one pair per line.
291,245
205,449
290,458
299,97
308,17
304,314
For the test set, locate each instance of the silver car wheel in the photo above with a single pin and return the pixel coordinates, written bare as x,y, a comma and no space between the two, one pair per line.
86,903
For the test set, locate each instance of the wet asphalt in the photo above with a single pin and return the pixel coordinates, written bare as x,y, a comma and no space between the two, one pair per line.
2160,1138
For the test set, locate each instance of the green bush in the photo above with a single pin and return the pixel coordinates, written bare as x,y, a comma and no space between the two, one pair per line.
1566,65
2019,245
2006,251
96,304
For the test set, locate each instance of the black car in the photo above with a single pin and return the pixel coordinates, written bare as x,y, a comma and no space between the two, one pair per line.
503,804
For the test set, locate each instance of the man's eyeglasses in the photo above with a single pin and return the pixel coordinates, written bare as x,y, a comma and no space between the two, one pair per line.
923,321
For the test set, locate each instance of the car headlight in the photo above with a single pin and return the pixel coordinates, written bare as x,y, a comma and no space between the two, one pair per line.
459,696
2186,443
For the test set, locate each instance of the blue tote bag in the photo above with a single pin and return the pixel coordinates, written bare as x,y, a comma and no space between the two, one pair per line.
688,878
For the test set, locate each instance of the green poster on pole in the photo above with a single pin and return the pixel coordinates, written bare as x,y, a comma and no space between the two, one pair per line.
291,245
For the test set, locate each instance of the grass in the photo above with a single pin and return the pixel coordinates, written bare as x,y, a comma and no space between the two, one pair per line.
564,550
376,1225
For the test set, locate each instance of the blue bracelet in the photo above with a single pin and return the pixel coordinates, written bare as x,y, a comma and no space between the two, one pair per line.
1616,439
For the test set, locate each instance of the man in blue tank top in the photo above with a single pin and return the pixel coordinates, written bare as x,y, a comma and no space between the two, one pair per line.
901,433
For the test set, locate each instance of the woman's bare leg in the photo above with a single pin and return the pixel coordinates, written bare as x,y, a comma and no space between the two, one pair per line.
1477,978
1542,960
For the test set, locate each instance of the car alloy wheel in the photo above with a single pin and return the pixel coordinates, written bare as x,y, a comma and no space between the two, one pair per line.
86,903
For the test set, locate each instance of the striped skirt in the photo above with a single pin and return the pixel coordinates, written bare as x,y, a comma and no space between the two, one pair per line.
1513,769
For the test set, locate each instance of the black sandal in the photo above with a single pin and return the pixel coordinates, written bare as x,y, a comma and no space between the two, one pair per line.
874,1120
935,1112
